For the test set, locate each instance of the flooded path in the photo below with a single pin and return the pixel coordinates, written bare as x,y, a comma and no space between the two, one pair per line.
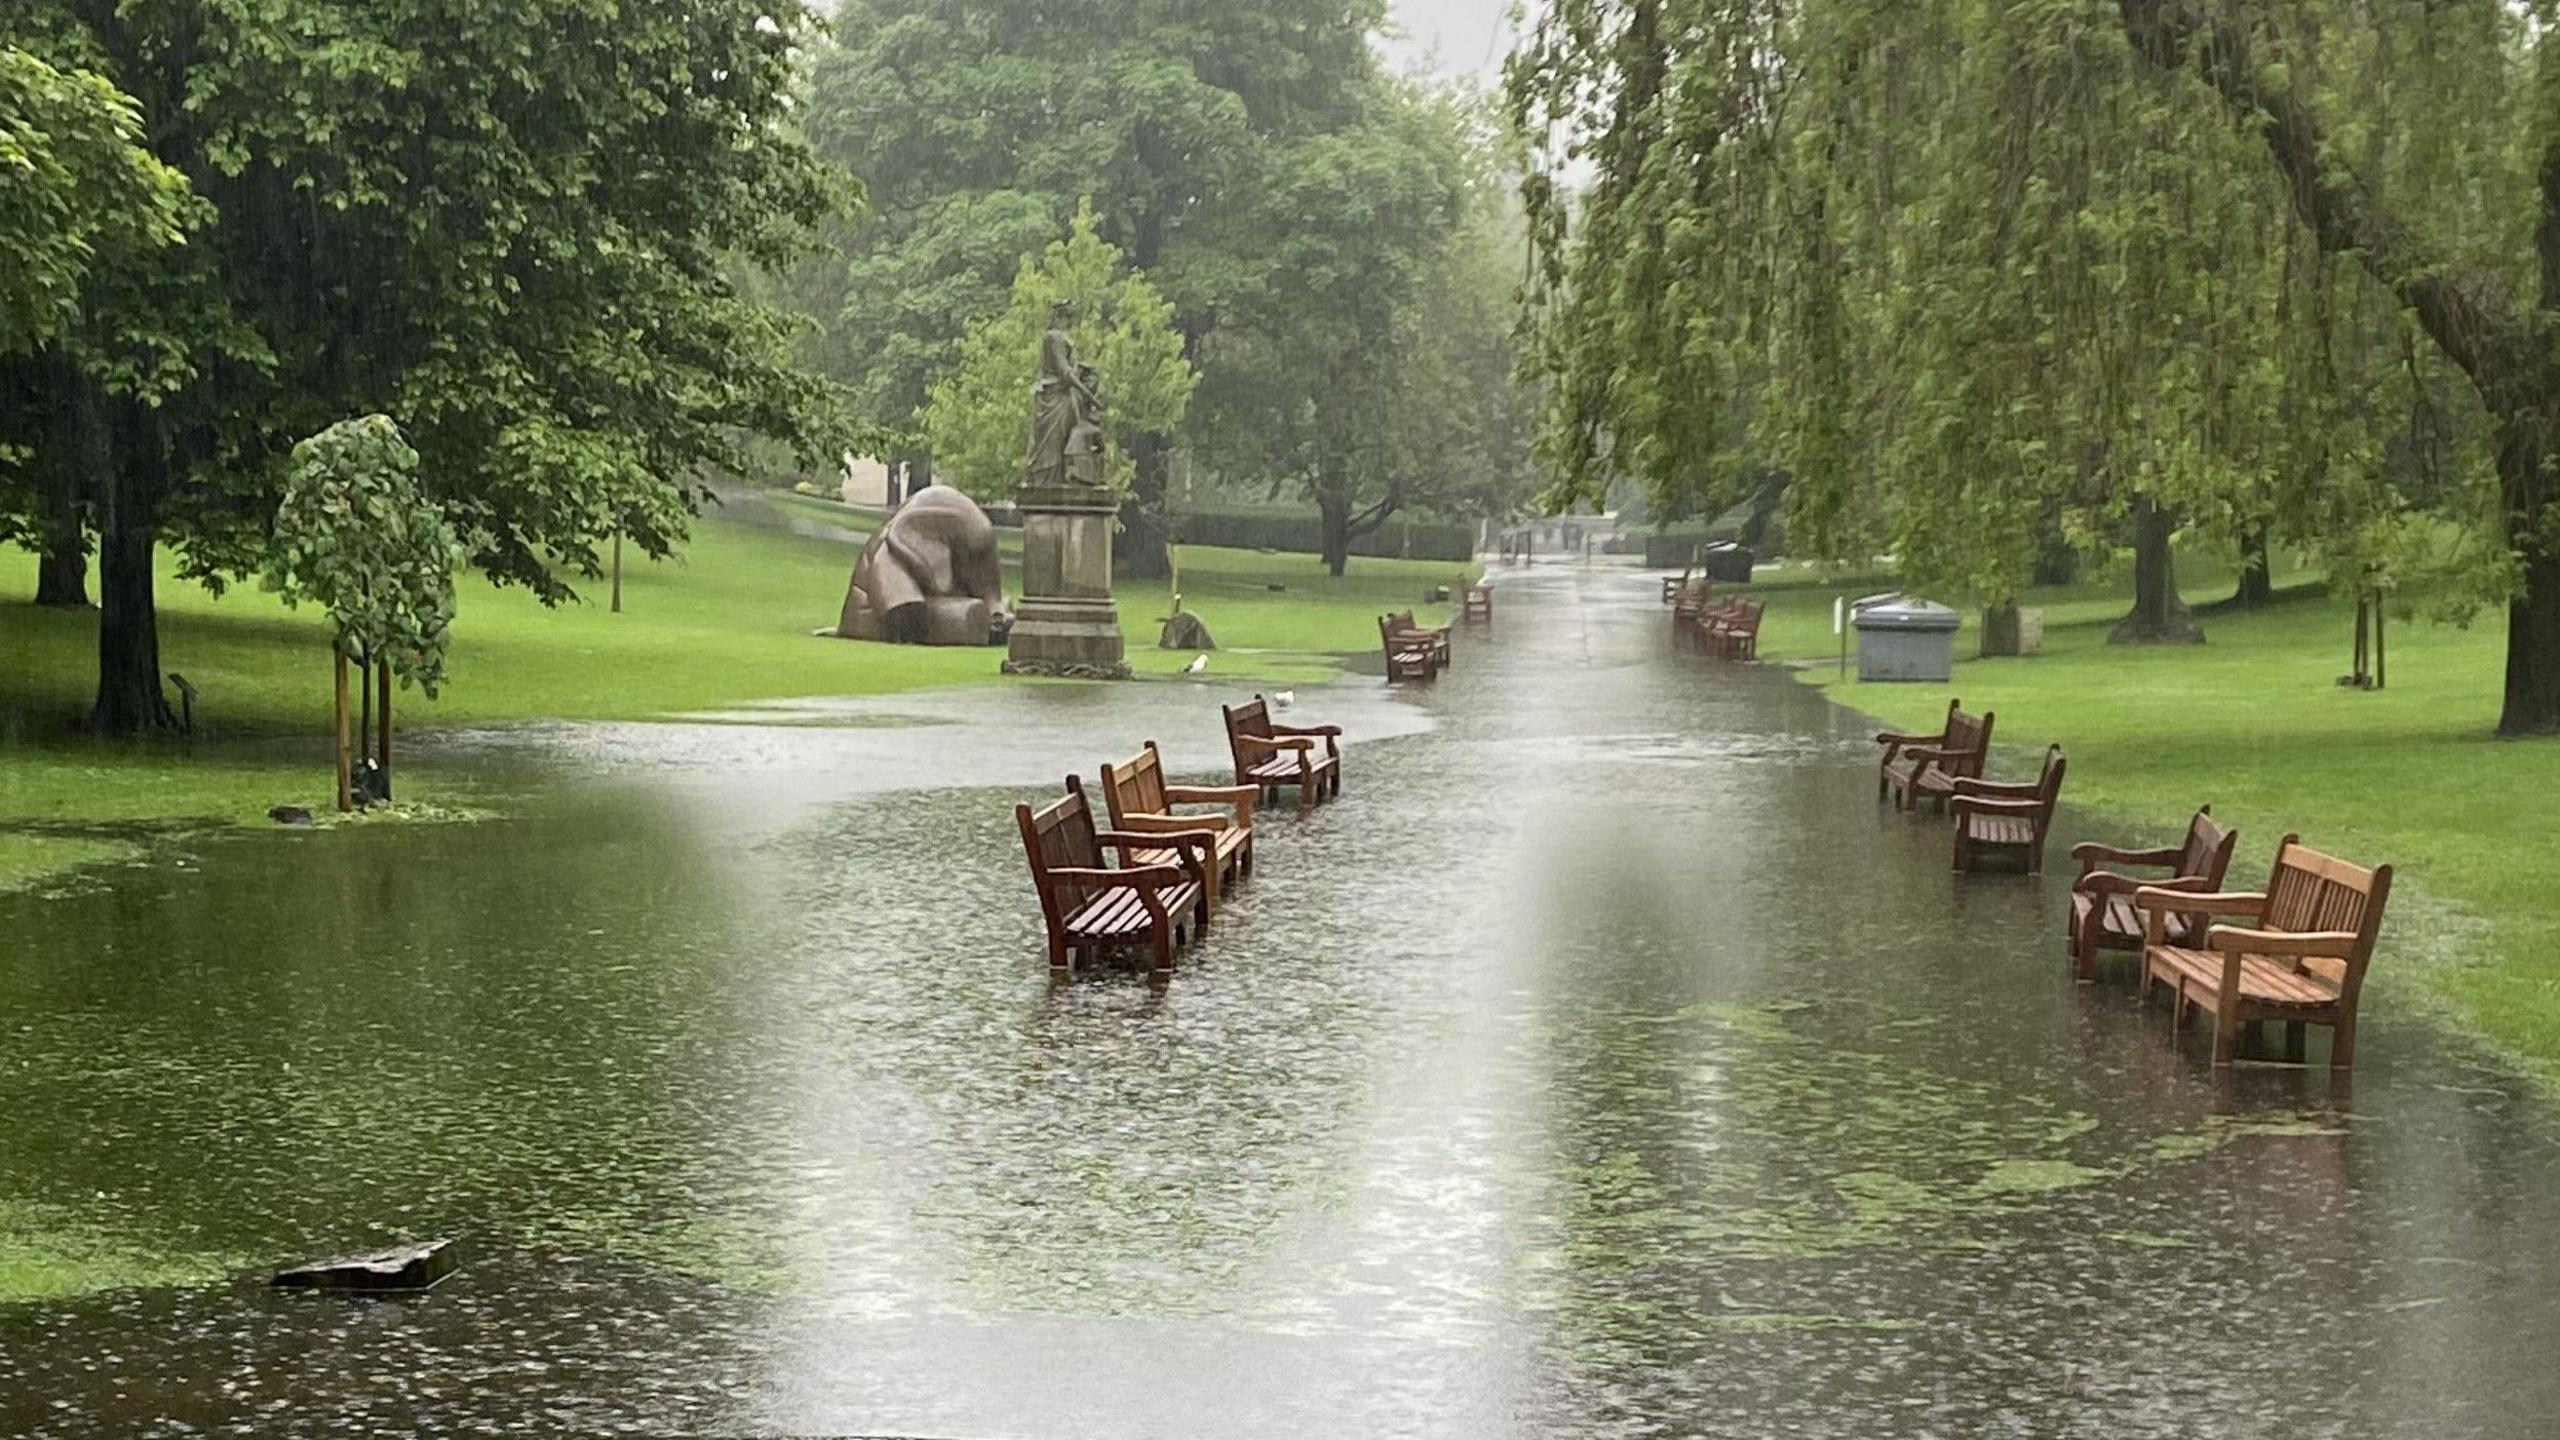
1606,1064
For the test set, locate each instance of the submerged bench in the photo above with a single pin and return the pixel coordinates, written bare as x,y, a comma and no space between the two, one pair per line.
2103,916
1403,626
1408,657
1141,803
1918,767
1995,818
1271,757
1479,605
1733,631
2301,960
1089,905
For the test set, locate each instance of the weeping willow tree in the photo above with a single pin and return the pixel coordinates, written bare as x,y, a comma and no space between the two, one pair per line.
1987,272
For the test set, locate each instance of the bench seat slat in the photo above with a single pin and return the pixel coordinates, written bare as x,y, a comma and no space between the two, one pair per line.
2263,981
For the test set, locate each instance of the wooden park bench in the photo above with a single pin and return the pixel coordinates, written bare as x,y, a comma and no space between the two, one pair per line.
1269,757
2102,912
1402,623
1141,803
1733,632
1918,767
2301,961
1408,657
1091,906
1688,602
1479,604
1996,818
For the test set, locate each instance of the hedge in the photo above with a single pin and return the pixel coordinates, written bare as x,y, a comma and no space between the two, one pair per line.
1304,535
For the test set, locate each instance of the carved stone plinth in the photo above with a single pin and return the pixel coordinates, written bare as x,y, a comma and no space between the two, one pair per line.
1067,624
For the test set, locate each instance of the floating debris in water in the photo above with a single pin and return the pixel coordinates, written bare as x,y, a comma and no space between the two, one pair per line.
403,1267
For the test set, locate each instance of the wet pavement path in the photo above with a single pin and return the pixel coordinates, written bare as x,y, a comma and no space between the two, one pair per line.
1605,1064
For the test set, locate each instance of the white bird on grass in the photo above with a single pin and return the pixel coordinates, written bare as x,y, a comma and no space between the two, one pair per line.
1198,664
1283,699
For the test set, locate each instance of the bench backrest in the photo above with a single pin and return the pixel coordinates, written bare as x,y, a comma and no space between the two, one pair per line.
1060,836
2048,788
2207,854
1970,735
1135,786
1251,718
2310,891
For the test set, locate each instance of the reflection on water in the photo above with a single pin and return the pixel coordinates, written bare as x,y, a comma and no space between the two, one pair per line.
1605,1064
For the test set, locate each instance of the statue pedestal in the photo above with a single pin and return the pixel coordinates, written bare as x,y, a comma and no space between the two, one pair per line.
1067,624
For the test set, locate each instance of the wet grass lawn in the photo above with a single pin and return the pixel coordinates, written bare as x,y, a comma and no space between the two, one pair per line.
2255,723
727,623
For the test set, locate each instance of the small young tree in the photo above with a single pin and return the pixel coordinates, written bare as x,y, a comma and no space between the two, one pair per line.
977,421
357,536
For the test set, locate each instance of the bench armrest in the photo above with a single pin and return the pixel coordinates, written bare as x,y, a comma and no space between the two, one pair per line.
1161,825
1240,798
1889,737
2090,852
1193,842
1328,732
2108,882
1964,804
2199,902
1292,742
2238,940
2004,789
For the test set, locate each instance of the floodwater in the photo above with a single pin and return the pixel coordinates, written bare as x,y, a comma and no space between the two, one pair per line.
1605,1064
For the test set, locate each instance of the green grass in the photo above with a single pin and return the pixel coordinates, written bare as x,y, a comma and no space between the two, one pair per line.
729,622
2254,723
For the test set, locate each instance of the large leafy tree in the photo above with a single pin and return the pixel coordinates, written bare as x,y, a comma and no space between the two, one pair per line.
1365,368
1972,268
78,194
977,419
509,226
980,125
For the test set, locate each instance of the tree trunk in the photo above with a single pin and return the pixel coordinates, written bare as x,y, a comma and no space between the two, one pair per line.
1337,537
2257,572
130,699
2532,705
2002,633
1139,551
70,446
62,575
2159,616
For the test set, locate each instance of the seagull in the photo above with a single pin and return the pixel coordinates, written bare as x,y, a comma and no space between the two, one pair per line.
1198,664
1283,699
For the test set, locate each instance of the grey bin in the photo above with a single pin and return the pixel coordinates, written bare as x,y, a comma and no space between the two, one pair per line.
1727,563
1900,638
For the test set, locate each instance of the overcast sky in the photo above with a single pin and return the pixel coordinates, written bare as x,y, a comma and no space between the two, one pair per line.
1470,36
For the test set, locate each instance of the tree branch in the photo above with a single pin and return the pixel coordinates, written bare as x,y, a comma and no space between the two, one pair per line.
2477,330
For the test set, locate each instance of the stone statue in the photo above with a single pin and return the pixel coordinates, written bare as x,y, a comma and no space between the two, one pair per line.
1068,625
930,577
1066,412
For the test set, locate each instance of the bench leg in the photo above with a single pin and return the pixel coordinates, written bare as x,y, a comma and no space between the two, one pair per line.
2342,1043
1058,952
2226,1039
1164,947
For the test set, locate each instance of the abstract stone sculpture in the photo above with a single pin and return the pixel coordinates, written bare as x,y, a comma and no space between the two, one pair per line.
930,577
